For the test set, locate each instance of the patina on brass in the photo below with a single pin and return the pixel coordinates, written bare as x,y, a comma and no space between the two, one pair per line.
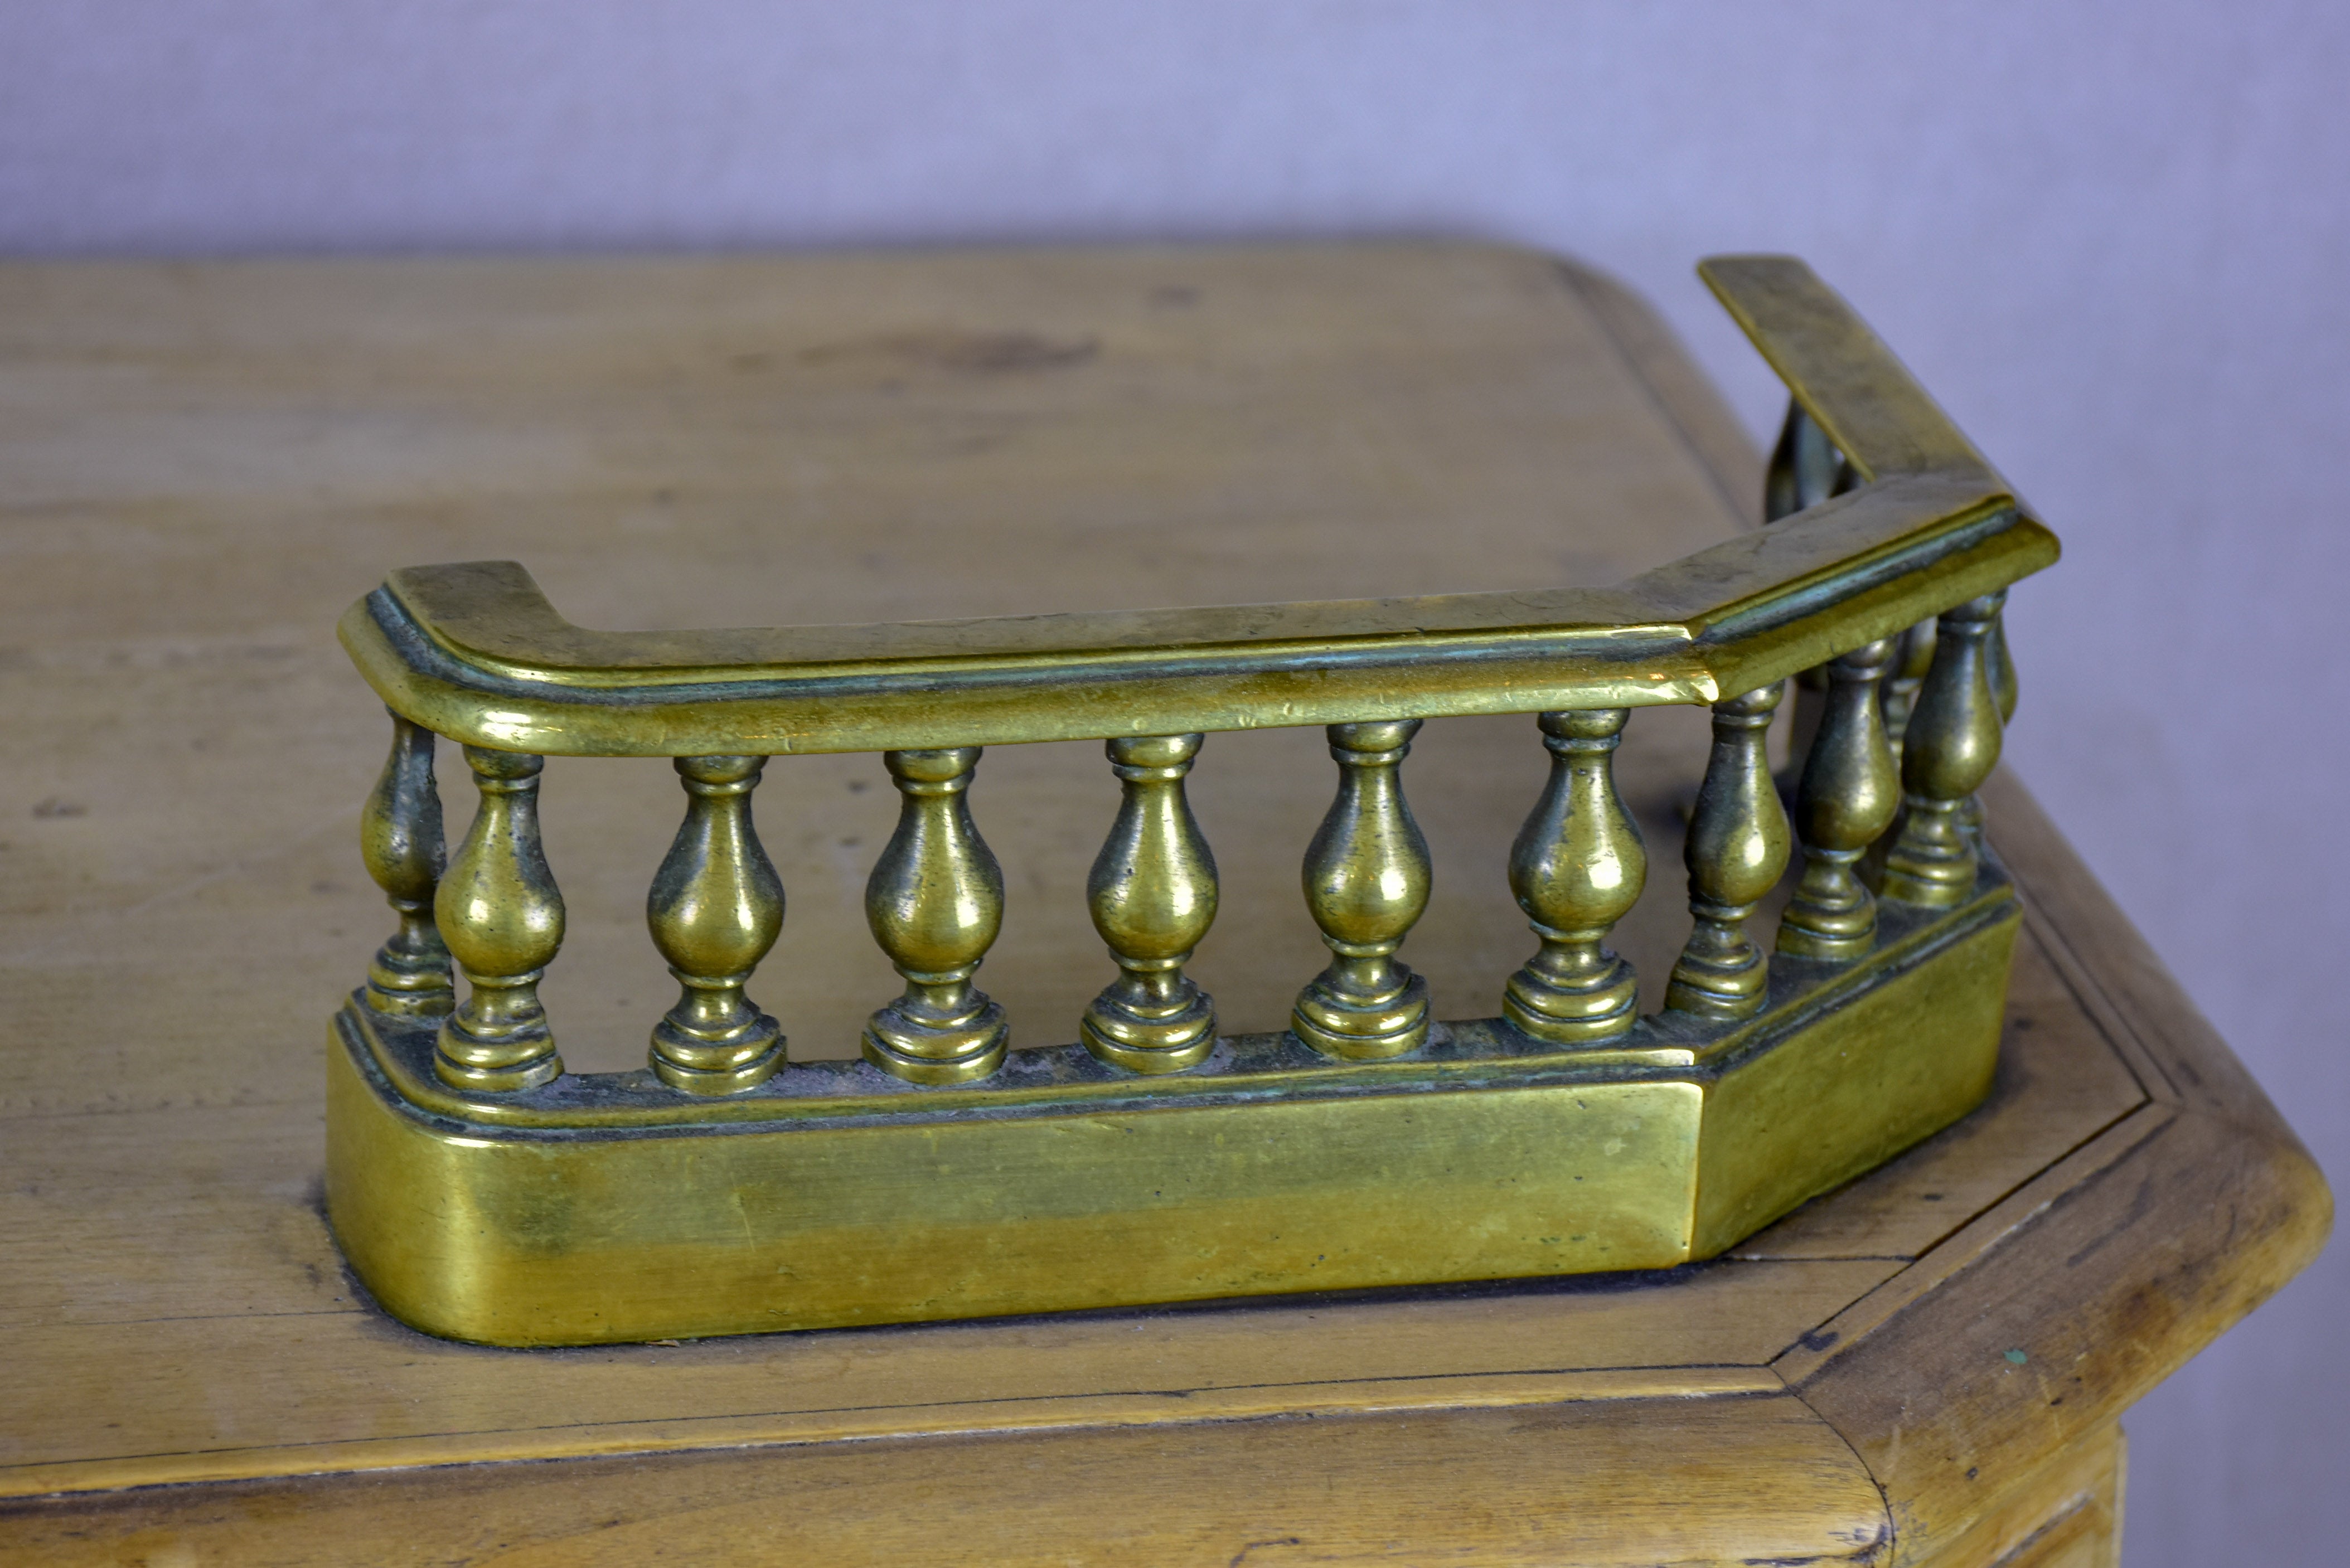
499,911
715,909
1576,868
399,840
481,1193
935,902
1737,846
832,1194
1153,895
1847,799
1366,877
1951,747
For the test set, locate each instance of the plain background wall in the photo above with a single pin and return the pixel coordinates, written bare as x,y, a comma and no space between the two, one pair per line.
2114,240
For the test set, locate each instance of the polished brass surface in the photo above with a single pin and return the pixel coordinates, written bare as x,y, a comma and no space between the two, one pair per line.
1737,846
1849,792
1153,895
1366,878
1952,745
399,840
836,1194
1846,1090
1576,868
482,1192
715,909
935,902
501,916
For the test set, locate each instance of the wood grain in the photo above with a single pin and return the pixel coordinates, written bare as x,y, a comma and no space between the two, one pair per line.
2067,1514
208,461
1629,1482
2040,1323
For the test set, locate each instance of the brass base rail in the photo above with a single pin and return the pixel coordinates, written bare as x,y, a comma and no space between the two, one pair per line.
603,1208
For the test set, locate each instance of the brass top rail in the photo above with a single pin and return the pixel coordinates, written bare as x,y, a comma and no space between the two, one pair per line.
474,651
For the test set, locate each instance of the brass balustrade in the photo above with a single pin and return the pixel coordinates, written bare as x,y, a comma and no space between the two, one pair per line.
484,1193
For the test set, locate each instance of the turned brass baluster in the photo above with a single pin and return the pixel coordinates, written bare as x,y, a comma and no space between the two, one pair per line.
935,901
1953,745
1577,867
1737,846
1850,790
399,839
2002,671
1153,894
1805,468
2001,667
1366,878
1913,656
715,909
503,919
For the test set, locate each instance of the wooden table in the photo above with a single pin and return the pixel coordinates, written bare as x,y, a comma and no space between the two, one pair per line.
206,463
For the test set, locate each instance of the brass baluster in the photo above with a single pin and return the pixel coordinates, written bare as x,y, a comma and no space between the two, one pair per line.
1737,846
1153,894
1805,468
1850,791
1953,745
935,901
399,839
1577,867
2001,667
1913,658
503,919
715,909
2002,671
1367,879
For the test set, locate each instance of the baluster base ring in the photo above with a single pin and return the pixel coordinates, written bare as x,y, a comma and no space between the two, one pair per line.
1142,1042
403,990
1357,1029
1558,1015
503,1067
920,1053
1721,973
1933,864
693,1065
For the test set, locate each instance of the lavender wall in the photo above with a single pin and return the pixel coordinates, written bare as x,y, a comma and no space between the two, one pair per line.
2116,241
